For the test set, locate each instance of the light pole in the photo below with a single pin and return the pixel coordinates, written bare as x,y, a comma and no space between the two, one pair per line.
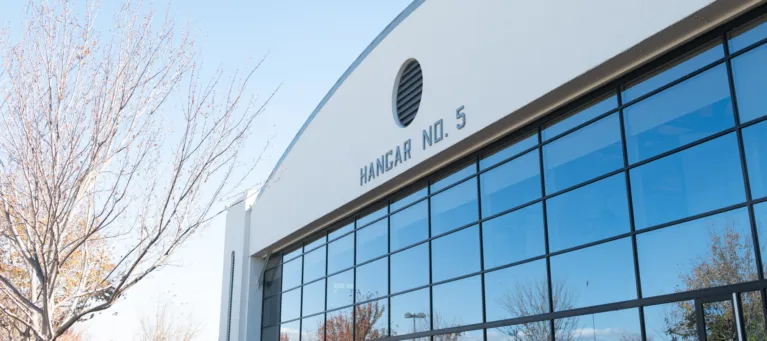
415,316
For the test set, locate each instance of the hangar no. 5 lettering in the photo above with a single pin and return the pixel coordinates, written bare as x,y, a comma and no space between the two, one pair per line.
400,154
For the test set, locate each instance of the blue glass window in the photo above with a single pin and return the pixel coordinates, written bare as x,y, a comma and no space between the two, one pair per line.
316,241
518,291
416,306
583,155
685,65
454,207
671,321
751,33
457,303
749,72
410,268
290,255
695,263
341,290
411,198
313,328
755,145
760,215
372,280
372,241
456,254
582,115
339,325
290,331
587,214
683,184
314,298
511,184
611,325
341,231
689,111
314,264
341,254
371,320
516,147
596,275
291,274
513,237
291,305
463,173
410,225
373,216
533,331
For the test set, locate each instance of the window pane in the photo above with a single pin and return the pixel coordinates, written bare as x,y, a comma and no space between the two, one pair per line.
671,322
372,320
580,116
682,184
314,266
410,225
689,111
749,72
748,35
319,240
270,333
341,231
313,328
614,325
339,325
372,280
755,145
271,311
372,241
699,254
533,331
760,214
515,148
341,289
314,298
456,254
455,207
272,281
454,177
472,335
457,303
274,260
371,217
512,184
587,214
513,237
416,304
410,268
421,193
289,255
341,254
291,305
584,154
687,64
290,331
753,316
596,275
291,274
518,291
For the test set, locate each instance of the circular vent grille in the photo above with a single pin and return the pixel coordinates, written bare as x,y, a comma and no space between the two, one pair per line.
408,94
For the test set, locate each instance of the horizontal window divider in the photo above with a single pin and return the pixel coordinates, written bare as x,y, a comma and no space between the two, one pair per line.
585,183
407,291
341,236
578,127
748,48
408,247
456,183
511,210
418,201
372,222
508,159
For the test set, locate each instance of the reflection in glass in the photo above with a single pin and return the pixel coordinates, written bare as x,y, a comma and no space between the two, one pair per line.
291,305
274,260
472,335
513,237
341,231
683,184
584,154
454,207
587,214
372,241
719,320
753,316
454,177
341,289
749,73
456,254
749,34
290,331
760,215
596,275
518,291
372,320
411,198
410,225
755,145
291,274
515,148
533,331
371,217
511,184
272,281
291,254
372,280
417,305
314,298
715,251
318,240
671,321
341,254
582,115
313,328
410,268
620,325
689,111
457,303
690,62
338,325
271,311
314,264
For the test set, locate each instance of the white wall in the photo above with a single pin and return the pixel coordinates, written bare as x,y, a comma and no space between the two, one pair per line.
492,56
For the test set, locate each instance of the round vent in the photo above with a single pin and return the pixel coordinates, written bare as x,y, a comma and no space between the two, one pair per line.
407,96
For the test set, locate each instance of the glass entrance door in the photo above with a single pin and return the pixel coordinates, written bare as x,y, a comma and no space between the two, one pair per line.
731,317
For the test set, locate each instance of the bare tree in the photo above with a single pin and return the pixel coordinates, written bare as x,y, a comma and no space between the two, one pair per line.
94,164
532,298
165,324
